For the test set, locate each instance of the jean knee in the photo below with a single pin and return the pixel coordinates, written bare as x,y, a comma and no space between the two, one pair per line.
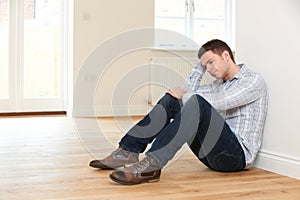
197,99
165,99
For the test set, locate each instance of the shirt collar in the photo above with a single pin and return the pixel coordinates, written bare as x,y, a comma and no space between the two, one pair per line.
240,72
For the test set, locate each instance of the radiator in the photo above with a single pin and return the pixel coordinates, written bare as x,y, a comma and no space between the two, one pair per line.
167,72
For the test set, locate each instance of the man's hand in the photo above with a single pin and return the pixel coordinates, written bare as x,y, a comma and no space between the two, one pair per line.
177,92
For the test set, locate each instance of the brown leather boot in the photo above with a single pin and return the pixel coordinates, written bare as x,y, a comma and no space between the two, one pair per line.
118,158
145,171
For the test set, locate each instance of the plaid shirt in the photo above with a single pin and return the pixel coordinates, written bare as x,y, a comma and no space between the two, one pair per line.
242,101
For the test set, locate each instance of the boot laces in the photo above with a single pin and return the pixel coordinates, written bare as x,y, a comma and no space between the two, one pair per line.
119,151
142,165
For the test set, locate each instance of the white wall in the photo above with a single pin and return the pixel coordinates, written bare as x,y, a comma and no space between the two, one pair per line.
268,40
97,21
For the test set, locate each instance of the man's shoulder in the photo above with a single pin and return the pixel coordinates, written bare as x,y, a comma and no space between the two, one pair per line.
251,74
251,77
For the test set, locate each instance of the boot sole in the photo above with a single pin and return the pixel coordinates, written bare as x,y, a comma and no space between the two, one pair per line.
103,167
151,180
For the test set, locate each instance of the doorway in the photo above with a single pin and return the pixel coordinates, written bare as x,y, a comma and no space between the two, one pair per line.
32,55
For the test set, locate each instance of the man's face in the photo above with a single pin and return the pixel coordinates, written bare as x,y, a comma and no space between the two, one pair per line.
214,64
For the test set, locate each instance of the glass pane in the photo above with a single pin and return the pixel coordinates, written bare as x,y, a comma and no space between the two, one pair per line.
209,9
170,8
205,30
4,38
41,48
171,24
209,18
170,17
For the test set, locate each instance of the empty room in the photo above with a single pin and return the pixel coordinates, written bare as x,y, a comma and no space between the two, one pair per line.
149,99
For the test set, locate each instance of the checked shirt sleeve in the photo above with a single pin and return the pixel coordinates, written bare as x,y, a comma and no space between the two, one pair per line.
192,82
241,92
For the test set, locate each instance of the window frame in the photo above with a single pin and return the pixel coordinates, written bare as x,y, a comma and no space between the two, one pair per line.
229,30
16,101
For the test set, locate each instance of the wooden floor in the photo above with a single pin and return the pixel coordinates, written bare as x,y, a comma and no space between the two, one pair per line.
46,158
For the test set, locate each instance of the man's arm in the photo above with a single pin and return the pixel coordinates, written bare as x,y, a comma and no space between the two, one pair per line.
191,83
247,90
176,92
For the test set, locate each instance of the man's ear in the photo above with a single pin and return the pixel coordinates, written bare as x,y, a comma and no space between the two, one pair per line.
226,56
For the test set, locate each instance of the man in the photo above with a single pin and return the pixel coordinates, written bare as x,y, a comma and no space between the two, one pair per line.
222,122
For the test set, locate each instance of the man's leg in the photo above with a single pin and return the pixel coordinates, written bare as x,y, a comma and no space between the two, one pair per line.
207,134
140,135
196,120
215,144
182,129
143,133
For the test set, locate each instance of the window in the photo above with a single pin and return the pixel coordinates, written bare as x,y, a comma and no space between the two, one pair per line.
33,46
199,20
4,35
42,26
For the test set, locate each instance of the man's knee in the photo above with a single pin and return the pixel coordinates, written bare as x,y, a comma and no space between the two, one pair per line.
167,99
196,98
197,101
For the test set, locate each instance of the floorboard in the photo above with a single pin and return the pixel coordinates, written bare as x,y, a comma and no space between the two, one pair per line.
47,158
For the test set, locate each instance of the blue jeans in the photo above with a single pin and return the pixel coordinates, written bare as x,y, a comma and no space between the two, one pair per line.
169,125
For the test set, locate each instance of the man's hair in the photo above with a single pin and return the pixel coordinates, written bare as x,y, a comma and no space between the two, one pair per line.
217,47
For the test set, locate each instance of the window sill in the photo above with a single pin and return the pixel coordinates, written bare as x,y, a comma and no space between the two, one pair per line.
175,48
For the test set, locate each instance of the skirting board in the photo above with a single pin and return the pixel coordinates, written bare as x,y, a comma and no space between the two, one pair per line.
278,163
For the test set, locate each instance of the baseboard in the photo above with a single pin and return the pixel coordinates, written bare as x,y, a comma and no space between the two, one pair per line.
33,113
278,163
106,111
